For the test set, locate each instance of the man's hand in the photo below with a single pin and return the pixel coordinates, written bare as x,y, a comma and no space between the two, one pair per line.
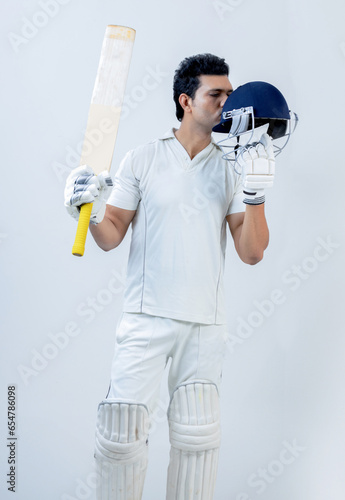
258,164
83,186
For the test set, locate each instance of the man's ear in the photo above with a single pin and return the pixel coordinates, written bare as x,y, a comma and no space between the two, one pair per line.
185,102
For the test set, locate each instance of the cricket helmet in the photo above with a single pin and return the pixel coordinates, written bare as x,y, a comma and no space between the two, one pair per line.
249,107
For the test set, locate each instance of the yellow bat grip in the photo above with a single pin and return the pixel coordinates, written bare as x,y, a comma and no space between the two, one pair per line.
83,226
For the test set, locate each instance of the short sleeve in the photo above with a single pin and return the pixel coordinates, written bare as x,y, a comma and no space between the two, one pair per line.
236,204
125,193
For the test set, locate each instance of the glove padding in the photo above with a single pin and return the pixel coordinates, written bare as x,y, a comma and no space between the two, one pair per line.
258,166
83,186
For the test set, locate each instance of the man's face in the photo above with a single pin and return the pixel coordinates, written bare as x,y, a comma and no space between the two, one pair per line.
209,100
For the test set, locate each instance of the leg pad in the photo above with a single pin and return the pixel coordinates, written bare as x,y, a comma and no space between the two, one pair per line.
121,450
195,438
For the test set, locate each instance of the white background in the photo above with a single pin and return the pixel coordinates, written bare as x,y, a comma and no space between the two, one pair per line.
284,371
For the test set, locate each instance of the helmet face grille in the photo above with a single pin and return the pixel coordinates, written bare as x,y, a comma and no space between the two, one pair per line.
246,130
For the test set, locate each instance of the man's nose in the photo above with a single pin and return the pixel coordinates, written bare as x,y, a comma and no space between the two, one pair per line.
222,102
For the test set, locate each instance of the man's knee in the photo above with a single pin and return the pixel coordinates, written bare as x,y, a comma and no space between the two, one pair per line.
194,417
121,431
195,437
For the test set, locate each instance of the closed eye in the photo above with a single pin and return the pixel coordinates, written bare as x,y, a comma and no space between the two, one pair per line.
217,94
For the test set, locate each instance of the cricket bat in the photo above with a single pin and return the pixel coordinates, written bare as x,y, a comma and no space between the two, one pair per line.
104,113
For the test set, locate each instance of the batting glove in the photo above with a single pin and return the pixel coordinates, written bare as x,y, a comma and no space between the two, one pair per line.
83,186
258,164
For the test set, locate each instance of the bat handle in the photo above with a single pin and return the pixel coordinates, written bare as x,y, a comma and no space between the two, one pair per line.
83,226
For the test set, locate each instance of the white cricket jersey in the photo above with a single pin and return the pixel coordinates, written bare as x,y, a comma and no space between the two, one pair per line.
176,261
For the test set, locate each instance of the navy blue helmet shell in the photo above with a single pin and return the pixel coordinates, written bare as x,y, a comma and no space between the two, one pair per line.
268,106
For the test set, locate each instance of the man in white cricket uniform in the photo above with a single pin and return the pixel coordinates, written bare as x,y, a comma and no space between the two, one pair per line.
180,195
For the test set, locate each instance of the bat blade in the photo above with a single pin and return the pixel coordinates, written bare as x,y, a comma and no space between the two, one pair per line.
104,114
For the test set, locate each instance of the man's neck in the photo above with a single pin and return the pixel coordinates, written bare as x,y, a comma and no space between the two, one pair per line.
192,140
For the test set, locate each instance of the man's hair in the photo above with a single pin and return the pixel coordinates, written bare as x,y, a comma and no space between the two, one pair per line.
186,79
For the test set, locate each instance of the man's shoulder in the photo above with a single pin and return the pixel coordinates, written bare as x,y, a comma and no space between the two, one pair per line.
151,146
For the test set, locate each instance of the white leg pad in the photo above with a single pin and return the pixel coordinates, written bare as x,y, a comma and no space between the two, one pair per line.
194,423
121,450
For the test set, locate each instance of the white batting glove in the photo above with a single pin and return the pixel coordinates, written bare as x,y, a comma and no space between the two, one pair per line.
258,166
83,186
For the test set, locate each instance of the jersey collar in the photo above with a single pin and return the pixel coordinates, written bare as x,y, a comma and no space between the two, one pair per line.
170,134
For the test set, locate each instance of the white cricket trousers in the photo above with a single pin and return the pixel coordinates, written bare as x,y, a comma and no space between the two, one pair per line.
143,347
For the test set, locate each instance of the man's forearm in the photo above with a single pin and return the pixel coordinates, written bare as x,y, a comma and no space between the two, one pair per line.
254,236
106,235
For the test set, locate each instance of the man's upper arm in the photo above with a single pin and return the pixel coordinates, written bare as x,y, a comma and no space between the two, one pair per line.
125,196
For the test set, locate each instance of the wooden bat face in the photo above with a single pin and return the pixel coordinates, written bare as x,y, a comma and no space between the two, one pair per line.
107,98
104,114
